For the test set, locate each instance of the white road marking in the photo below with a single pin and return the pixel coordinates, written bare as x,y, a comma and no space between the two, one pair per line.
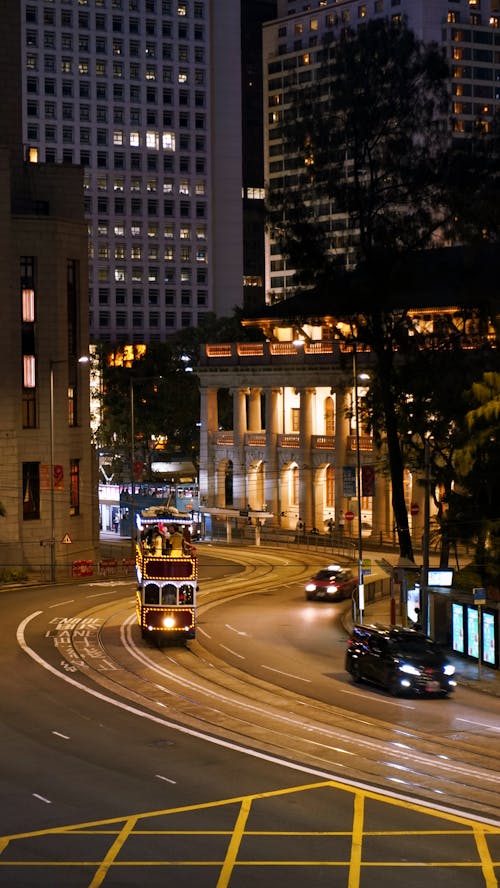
62,736
166,779
232,629
469,721
42,798
203,632
287,674
230,651
62,603
386,702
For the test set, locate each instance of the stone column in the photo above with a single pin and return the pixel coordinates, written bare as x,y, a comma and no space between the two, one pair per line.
254,410
306,492
209,423
342,430
239,432
271,482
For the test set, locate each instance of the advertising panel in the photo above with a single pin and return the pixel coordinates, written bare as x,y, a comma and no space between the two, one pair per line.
489,640
472,632
457,628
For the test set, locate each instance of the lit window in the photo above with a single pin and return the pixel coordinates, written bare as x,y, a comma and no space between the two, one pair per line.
28,297
168,141
135,139
152,139
29,371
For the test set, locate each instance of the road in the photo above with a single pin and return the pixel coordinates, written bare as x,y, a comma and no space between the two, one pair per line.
246,758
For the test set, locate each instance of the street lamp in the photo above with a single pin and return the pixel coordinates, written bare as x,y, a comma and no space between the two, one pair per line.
132,453
361,587
82,360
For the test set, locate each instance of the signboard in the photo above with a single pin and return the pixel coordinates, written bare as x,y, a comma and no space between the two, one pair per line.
348,481
479,596
349,516
414,509
45,477
472,632
489,640
367,480
457,628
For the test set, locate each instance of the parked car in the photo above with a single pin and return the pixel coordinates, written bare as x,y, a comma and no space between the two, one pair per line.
399,659
332,583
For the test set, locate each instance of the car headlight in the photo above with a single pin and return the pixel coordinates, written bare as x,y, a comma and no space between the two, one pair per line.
332,588
449,669
311,587
409,669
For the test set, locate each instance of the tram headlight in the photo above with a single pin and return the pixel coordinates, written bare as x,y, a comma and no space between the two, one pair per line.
168,622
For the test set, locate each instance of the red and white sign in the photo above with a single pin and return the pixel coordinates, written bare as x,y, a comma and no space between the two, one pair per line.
414,509
349,516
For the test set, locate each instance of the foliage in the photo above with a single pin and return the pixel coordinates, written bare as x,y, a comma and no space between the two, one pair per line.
478,466
165,395
372,151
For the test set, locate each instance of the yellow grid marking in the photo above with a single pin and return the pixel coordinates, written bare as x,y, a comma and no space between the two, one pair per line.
121,829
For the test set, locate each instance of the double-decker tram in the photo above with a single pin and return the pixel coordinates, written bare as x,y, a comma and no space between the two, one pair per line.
167,575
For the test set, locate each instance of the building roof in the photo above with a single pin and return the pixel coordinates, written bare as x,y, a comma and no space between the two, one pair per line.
442,278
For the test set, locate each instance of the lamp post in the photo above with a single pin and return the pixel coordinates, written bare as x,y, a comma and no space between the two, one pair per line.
361,586
132,452
82,360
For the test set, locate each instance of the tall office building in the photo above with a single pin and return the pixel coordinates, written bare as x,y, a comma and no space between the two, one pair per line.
146,96
467,30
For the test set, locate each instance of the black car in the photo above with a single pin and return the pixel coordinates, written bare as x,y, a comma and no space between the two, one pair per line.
331,583
400,660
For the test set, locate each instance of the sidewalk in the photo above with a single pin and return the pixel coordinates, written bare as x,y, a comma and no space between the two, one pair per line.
486,680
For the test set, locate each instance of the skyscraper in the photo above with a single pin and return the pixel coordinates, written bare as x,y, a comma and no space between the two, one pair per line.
146,96
468,31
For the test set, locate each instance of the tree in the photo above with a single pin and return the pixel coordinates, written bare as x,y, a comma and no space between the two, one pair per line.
371,147
165,394
478,465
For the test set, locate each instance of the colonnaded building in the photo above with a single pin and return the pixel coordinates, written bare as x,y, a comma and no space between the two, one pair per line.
280,432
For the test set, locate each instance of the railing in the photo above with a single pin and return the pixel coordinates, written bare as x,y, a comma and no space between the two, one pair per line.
288,440
256,439
365,443
323,442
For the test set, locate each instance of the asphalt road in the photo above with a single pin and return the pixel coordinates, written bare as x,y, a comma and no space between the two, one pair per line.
125,765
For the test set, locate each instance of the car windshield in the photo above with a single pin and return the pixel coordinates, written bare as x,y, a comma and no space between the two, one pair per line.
415,645
327,575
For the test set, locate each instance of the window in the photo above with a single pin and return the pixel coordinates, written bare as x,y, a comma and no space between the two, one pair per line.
74,487
31,491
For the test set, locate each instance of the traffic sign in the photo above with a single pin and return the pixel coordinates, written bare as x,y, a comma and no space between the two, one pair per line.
414,509
479,595
349,516
66,538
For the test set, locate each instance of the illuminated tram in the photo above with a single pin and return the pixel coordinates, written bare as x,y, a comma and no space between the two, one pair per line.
167,574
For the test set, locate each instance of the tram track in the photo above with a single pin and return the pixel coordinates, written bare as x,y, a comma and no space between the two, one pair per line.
190,687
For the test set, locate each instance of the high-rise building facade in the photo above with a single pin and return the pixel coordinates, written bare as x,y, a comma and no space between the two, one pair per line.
47,465
146,96
467,30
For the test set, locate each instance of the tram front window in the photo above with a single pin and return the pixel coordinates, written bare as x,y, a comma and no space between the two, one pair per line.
186,594
151,594
169,594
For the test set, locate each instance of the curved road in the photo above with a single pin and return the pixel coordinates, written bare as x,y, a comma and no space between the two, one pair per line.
264,677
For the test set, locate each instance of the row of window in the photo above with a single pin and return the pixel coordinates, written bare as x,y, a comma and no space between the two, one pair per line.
101,20
151,140
183,76
135,252
100,46
170,297
138,274
151,229
152,207
171,319
117,161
